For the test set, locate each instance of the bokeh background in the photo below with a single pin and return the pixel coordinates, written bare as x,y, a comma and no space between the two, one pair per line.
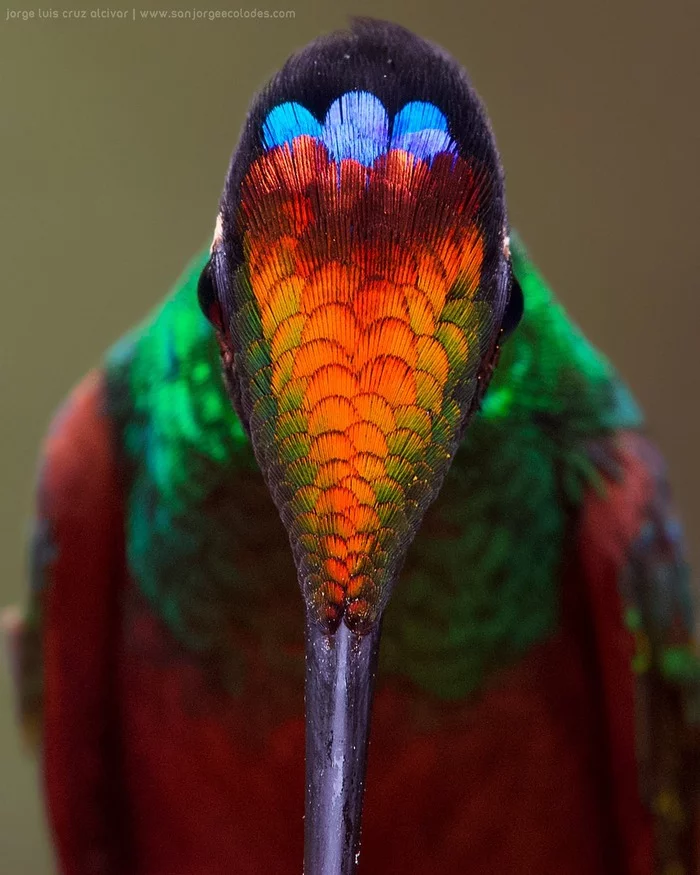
115,137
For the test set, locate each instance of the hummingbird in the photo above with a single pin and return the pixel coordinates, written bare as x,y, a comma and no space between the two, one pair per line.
365,391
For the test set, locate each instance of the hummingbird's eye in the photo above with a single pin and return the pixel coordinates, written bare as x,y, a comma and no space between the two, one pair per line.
208,297
514,309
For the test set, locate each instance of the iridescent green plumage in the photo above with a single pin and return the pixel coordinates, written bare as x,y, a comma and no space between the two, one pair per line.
479,585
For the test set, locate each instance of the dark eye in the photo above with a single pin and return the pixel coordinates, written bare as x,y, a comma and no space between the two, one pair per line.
514,309
208,297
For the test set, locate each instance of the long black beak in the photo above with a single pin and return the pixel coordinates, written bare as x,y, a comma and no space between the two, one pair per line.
340,672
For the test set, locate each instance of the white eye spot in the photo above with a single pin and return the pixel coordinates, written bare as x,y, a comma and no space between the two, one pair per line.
506,246
218,234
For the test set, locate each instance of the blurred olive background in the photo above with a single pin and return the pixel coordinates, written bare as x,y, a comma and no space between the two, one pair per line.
116,136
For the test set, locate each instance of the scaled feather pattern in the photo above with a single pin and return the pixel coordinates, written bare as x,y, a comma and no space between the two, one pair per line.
363,328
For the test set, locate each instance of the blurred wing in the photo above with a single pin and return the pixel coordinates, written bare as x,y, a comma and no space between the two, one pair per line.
632,553
64,647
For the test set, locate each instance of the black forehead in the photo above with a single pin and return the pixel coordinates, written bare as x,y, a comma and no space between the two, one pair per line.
386,60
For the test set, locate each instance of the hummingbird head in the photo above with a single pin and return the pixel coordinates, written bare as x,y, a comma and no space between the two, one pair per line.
359,279
360,285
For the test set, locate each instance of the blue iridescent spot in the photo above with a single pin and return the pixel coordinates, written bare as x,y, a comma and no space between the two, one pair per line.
357,126
287,121
420,128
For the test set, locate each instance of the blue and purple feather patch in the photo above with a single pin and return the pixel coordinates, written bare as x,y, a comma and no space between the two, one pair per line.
357,126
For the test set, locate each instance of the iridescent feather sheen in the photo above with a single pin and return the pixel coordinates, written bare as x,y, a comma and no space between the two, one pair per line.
362,324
